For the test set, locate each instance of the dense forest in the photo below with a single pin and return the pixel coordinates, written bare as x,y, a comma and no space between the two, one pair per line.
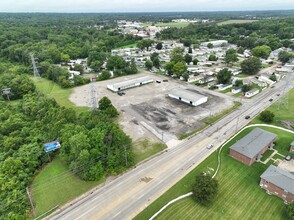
93,145
273,33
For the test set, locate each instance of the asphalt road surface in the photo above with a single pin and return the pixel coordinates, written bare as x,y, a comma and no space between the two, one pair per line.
130,193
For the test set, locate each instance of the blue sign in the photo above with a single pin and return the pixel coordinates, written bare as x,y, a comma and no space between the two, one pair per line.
51,146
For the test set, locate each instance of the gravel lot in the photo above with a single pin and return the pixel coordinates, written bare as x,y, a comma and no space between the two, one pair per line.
147,112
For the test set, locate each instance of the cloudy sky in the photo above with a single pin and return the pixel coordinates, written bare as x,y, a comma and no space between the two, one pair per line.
140,5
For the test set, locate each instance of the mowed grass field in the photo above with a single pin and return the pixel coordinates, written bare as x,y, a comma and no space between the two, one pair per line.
56,185
52,90
236,22
239,197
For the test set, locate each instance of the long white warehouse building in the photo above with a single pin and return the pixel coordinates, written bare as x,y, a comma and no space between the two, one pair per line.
188,97
130,84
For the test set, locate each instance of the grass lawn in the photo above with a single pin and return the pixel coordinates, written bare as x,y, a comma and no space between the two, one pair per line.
266,155
239,197
280,111
236,22
52,90
55,185
144,149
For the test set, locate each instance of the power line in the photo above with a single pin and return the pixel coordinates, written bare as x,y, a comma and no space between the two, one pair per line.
35,68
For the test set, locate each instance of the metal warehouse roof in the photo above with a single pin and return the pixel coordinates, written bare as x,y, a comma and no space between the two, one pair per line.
280,178
186,94
131,82
254,142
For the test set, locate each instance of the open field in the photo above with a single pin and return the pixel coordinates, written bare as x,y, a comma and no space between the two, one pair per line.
170,24
281,111
52,90
152,114
236,22
239,197
144,149
56,185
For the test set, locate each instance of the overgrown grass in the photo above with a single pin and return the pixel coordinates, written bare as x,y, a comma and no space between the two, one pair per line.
239,197
52,90
236,22
280,110
144,149
216,117
56,185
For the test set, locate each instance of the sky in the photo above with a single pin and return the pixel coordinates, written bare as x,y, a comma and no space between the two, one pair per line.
141,5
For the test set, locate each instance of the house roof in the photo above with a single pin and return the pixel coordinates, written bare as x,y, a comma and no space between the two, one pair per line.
186,94
131,82
254,142
281,178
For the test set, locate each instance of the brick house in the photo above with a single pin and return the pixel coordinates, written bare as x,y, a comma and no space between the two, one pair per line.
278,182
251,147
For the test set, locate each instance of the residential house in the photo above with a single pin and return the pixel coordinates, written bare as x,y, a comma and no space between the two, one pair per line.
251,93
279,182
252,146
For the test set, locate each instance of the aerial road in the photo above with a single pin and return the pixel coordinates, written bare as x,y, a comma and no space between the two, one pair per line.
131,192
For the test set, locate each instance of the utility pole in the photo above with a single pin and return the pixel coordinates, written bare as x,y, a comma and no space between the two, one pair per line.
126,156
31,201
35,68
93,100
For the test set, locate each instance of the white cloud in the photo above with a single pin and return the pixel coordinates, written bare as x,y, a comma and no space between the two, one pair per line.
139,5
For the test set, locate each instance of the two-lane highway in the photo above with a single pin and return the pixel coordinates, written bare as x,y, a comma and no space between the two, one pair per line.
130,193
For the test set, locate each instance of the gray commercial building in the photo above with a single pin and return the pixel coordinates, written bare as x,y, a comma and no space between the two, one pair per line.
130,84
187,96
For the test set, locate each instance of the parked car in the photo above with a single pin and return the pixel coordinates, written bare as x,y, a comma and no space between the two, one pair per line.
288,157
247,116
121,93
278,94
158,81
165,80
271,100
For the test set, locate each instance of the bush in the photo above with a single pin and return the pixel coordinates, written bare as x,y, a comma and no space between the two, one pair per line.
267,116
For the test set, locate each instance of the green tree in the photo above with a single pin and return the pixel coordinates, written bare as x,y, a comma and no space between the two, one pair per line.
105,74
204,189
179,68
285,56
290,210
210,45
169,67
231,56
148,64
261,51
159,46
177,55
238,83
224,76
267,116
251,66
106,107
188,58
195,61
245,88
212,57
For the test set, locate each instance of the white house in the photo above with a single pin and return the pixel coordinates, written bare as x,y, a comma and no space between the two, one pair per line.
251,93
236,90
224,87
216,43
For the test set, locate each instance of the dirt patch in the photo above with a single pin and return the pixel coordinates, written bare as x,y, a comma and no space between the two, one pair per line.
147,111
289,124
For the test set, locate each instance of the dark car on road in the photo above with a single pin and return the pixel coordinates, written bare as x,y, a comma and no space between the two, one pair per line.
271,100
247,116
